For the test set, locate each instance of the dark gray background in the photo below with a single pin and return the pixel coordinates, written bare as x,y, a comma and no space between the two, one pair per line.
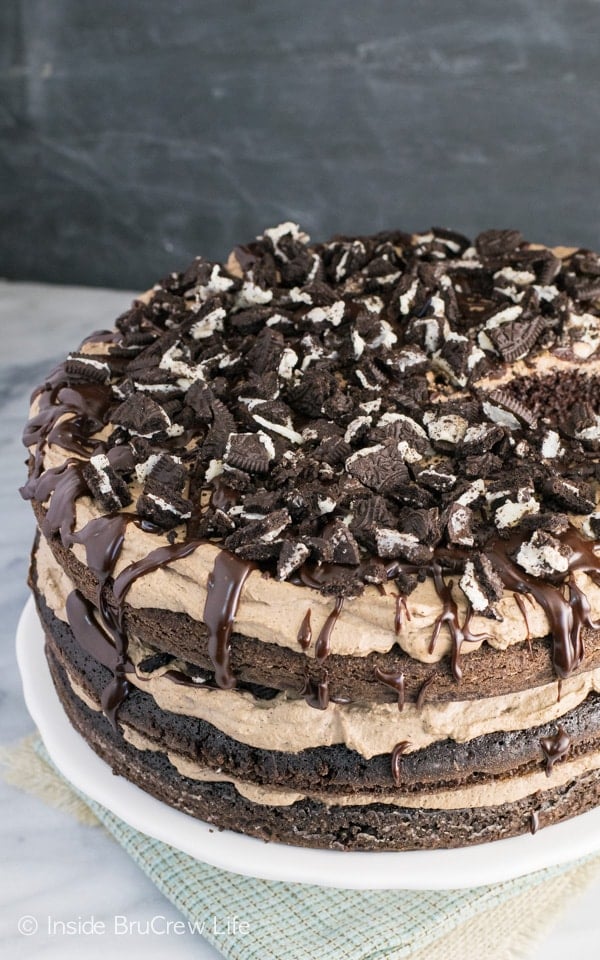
136,133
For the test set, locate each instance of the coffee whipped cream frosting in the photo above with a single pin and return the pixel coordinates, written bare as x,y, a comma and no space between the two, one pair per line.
287,723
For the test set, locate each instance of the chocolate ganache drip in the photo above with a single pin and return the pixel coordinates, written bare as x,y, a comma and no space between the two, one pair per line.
459,633
323,644
567,616
393,680
304,636
396,761
316,692
86,405
224,589
555,748
402,613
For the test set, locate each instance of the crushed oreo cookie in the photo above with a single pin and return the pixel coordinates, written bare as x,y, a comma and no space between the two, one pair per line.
353,406
543,555
481,584
108,489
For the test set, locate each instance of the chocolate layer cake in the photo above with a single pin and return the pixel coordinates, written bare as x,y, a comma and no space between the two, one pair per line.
316,557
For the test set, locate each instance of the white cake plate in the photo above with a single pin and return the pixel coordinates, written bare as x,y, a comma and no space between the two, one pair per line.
412,870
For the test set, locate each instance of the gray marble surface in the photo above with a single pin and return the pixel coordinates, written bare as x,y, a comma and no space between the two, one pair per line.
51,866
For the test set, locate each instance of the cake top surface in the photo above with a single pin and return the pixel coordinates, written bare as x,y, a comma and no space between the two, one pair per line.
345,412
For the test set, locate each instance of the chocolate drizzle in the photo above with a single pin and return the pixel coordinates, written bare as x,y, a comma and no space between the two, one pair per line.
423,690
304,637
153,561
316,692
567,616
81,615
402,613
555,748
87,403
393,680
102,538
521,605
397,754
449,615
111,539
65,484
224,587
323,644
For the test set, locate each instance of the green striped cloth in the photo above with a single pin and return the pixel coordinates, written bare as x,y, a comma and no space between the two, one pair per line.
286,921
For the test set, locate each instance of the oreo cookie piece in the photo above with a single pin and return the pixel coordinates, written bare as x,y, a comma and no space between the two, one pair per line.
310,394
106,486
333,450
250,452
392,544
266,352
460,521
543,555
381,467
514,340
422,524
141,416
555,523
481,584
497,244
164,508
445,430
482,465
163,471
509,511
345,548
575,495
291,556
501,407
85,366
481,438
439,477
265,531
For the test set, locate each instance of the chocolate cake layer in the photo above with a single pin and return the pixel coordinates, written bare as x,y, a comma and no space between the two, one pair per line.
494,758
310,823
264,718
486,672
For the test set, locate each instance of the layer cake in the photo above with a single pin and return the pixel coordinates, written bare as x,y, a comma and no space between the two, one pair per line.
316,550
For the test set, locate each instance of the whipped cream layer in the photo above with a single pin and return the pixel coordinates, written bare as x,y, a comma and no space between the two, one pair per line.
273,612
291,725
492,793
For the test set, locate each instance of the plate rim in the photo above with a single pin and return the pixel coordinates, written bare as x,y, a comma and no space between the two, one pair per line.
457,868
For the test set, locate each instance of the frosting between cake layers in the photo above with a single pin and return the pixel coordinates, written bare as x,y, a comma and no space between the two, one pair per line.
492,793
370,729
272,612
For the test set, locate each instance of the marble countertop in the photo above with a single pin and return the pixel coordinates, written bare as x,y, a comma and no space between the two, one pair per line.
51,865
